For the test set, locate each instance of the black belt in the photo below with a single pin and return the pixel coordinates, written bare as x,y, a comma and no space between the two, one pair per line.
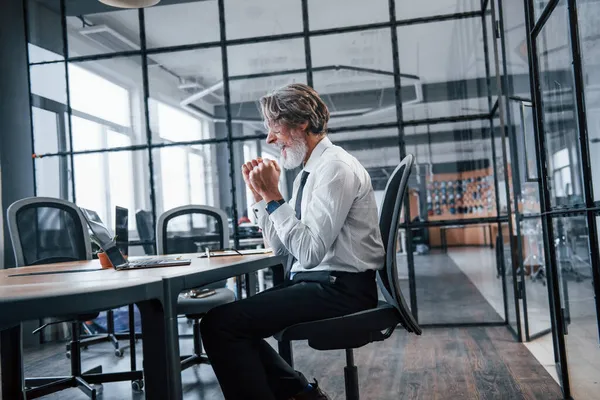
331,276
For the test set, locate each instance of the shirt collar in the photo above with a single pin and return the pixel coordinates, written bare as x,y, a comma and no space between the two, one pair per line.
323,145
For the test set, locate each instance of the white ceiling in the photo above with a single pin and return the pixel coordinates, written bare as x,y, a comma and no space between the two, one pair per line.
437,52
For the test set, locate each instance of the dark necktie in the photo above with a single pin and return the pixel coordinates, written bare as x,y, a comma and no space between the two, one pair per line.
298,209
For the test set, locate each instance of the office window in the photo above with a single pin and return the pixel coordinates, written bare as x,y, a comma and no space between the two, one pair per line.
176,125
562,173
105,180
182,170
97,96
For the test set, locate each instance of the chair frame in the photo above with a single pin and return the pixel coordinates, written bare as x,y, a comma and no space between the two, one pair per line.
387,280
42,386
161,224
35,202
198,357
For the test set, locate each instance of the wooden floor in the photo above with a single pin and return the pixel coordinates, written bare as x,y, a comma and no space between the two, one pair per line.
445,295
455,363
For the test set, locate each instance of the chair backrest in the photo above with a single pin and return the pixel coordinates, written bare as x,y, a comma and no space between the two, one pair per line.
44,230
143,222
192,228
389,220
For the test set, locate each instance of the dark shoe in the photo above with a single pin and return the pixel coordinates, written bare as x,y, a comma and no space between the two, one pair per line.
315,394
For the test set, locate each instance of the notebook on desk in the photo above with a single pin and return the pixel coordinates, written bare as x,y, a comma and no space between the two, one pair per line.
233,252
108,244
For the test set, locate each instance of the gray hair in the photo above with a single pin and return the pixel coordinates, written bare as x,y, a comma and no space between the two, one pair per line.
294,105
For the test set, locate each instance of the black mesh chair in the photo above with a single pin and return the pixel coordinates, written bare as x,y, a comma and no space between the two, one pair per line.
192,229
359,329
43,231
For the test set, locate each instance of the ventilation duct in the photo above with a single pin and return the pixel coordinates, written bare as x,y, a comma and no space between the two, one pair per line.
130,3
111,40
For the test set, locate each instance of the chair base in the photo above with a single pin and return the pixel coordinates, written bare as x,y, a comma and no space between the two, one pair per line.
106,337
42,386
90,382
351,377
86,381
194,359
198,357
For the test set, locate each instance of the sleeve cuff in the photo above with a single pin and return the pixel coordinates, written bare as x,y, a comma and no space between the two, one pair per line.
282,213
259,210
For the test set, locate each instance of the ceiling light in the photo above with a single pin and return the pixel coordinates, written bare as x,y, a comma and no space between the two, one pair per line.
130,3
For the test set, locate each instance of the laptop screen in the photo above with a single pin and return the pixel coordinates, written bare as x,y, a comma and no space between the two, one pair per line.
104,238
122,229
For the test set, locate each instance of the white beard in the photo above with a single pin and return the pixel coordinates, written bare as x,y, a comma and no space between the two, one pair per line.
294,154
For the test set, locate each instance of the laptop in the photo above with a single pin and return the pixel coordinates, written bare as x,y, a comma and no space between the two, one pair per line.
109,245
122,229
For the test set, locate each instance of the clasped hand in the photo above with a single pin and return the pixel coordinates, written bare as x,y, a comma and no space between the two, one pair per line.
262,177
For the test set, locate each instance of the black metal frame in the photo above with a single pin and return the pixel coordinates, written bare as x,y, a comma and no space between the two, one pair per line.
305,34
520,288
493,110
548,213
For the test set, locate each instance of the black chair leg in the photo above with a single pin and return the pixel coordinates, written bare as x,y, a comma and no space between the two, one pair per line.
197,338
91,391
198,357
285,351
351,377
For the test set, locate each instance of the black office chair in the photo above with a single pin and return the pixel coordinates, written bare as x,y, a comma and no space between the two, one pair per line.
143,221
43,231
359,329
191,229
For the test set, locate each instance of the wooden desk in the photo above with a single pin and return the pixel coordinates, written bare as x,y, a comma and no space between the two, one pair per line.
154,290
29,297
470,235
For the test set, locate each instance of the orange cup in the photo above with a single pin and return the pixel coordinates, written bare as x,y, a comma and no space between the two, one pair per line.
104,261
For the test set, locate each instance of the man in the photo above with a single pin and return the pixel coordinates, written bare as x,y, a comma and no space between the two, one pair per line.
330,232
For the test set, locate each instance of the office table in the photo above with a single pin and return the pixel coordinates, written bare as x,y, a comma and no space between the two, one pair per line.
154,290
29,297
486,228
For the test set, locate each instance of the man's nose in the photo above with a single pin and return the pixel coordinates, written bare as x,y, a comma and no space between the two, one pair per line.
270,138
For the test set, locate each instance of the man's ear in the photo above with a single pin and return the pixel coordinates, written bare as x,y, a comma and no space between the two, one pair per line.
304,127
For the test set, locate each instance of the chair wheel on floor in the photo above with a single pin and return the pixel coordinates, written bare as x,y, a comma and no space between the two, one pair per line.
68,354
99,389
119,353
137,385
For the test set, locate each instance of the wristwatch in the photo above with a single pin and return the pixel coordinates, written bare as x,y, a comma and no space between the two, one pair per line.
274,205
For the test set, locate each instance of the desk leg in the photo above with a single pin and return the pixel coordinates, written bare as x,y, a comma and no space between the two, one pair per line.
278,274
443,240
11,353
162,366
251,284
238,287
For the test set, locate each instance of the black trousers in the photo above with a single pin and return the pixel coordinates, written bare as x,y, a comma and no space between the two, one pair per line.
246,366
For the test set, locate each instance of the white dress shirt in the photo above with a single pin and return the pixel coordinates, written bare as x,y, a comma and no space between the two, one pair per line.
339,225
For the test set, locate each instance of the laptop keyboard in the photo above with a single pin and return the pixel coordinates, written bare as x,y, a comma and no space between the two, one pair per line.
152,261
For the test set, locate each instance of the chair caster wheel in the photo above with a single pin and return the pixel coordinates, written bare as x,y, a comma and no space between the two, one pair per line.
137,385
68,354
99,389
119,353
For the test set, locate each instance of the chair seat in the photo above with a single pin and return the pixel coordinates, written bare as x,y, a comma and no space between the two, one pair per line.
346,332
196,308
86,317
